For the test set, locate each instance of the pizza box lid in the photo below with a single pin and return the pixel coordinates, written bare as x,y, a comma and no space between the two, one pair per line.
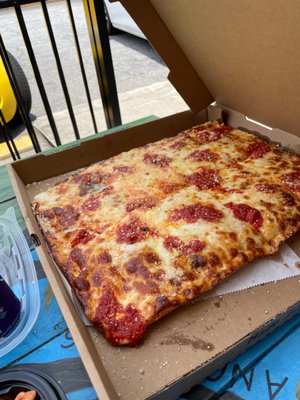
243,55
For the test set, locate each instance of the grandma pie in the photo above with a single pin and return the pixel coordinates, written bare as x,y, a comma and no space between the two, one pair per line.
143,232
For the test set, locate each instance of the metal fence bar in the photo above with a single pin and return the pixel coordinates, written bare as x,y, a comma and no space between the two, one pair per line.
36,72
18,96
87,91
95,17
59,68
8,138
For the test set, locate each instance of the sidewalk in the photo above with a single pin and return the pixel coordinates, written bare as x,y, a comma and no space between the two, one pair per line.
159,99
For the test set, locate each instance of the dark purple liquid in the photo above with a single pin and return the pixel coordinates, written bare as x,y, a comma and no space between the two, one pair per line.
10,307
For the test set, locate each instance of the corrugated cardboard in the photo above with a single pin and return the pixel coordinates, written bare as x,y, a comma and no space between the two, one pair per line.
193,341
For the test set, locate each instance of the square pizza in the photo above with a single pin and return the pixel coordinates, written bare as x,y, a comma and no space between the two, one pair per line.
148,230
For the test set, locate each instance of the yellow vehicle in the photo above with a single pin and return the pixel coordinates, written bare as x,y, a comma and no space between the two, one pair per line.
8,103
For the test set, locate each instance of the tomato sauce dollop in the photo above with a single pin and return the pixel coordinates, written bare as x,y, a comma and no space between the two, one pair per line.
128,327
195,212
246,213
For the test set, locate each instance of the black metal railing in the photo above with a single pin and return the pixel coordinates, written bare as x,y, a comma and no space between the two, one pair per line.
98,35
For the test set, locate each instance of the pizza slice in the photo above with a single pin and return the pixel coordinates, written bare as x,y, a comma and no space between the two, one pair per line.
143,232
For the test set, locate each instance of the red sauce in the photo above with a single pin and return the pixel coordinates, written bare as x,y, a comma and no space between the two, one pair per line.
195,212
193,246
156,159
143,203
246,213
128,326
124,169
204,155
178,145
258,149
66,216
91,204
292,181
206,179
288,199
266,188
84,178
107,190
82,236
132,232
206,136
105,258
101,177
172,243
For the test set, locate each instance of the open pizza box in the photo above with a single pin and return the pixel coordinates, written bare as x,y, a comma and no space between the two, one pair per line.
245,56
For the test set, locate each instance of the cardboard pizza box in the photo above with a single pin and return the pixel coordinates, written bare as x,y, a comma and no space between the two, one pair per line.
245,57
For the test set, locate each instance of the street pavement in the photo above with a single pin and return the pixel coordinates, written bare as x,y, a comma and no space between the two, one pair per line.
136,64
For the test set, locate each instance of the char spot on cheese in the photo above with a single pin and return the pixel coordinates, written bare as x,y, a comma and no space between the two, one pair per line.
82,236
81,283
175,282
136,266
213,259
141,203
234,252
146,287
157,160
288,199
250,242
91,204
78,257
245,213
66,216
120,324
48,214
258,149
124,169
162,303
105,257
266,188
193,213
244,257
178,145
170,187
202,155
294,221
152,258
292,181
173,243
197,261
132,232
206,179
233,236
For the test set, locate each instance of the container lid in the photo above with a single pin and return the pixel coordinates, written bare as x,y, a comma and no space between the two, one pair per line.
17,379
245,54
17,269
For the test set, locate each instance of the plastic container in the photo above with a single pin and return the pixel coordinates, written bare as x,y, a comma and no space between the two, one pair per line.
18,379
18,271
